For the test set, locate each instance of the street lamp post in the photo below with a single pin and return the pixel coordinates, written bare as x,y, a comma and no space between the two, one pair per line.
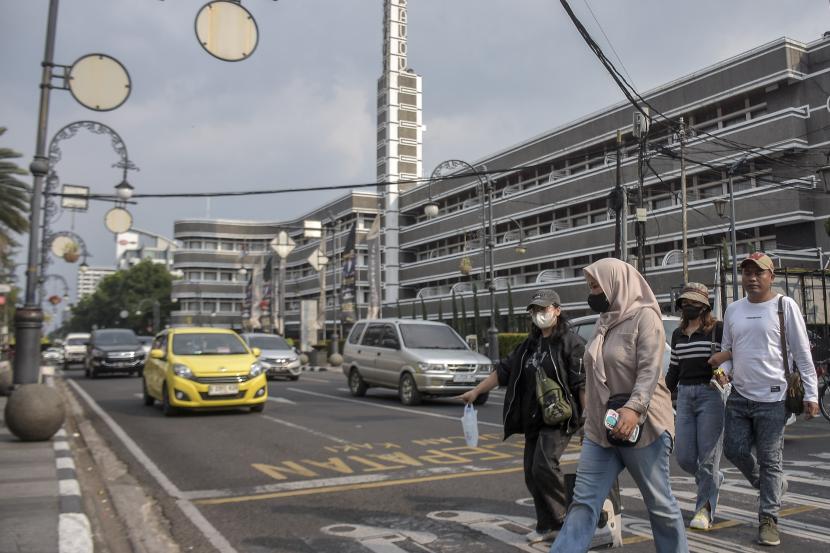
35,412
488,239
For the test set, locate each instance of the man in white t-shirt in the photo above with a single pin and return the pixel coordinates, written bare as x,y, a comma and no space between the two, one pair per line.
755,411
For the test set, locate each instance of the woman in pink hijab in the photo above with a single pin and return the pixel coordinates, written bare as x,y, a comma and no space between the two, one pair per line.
624,370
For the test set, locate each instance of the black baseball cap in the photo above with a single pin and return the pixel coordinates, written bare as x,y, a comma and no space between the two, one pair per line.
543,298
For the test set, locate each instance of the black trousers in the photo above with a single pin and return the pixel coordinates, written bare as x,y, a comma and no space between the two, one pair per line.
544,477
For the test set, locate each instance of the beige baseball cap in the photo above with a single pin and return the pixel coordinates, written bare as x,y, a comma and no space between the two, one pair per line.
760,259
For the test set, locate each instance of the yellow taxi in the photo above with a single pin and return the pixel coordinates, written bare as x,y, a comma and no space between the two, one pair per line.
195,368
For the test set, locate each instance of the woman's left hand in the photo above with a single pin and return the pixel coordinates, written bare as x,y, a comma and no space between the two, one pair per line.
629,419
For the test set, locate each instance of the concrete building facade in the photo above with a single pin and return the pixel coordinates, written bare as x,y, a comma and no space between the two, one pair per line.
88,279
765,112
211,291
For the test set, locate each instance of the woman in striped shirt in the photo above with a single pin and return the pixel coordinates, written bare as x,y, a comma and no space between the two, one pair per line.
700,406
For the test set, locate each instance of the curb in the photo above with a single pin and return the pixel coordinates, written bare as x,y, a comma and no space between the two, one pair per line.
142,518
74,531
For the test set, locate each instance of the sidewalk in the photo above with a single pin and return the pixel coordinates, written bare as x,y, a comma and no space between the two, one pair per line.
40,499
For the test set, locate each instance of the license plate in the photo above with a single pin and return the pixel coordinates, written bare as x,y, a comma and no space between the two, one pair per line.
222,389
121,364
466,377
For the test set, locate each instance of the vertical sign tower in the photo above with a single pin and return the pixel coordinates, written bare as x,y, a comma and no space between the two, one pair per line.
400,133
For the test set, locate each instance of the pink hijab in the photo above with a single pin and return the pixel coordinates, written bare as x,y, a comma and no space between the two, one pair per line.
628,292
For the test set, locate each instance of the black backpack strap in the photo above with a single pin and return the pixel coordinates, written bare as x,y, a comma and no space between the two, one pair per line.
783,333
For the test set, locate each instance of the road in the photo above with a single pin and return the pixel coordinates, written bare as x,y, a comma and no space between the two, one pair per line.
320,471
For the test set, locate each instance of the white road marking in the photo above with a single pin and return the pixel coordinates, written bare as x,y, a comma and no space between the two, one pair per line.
811,532
381,540
699,542
499,527
281,400
190,510
306,429
316,379
391,407
743,488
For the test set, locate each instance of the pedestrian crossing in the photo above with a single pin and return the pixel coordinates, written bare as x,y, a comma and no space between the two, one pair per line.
802,524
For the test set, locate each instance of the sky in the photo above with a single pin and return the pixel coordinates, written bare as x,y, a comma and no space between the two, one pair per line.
300,111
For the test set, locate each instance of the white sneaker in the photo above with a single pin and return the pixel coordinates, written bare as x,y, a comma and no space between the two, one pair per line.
702,520
536,537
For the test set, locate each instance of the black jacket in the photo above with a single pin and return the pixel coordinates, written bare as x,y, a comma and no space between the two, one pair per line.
567,351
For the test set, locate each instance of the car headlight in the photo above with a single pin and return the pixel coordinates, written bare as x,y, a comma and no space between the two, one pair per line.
182,371
485,368
256,369
432,367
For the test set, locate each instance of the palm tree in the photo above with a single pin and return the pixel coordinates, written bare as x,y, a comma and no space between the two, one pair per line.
14,199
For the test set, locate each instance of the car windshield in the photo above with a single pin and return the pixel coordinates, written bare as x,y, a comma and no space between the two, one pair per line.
268,342
76,341
208,344
115,338
422,336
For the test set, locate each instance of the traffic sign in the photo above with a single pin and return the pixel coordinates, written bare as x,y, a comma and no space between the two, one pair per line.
318,260
283,244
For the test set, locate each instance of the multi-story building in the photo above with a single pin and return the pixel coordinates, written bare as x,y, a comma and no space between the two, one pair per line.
399,133
89,277
217,256
761,117
136,245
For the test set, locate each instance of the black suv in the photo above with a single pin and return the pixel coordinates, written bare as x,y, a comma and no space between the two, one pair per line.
114,350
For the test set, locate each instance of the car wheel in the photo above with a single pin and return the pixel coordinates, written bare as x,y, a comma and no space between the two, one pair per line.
482,399
148,399
357,386
408,391
259,408
166,407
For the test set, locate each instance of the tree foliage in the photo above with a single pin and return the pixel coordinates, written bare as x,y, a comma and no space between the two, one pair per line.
14,199
133,291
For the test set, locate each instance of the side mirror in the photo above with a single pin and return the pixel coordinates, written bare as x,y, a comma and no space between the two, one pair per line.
256,351
156,354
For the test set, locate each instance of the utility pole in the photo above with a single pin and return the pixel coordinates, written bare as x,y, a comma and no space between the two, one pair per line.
640,130
617,203
683,200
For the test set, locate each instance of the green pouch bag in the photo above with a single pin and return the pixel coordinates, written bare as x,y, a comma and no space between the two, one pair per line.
552,399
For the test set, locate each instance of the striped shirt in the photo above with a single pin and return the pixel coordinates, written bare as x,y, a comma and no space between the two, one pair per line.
690,356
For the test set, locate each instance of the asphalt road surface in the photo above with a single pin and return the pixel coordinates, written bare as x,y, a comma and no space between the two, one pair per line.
321,471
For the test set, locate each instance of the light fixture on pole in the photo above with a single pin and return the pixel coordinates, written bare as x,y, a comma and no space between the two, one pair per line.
520,248
283,245
451,166
124,190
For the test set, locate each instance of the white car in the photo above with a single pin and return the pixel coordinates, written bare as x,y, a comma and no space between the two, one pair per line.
277,357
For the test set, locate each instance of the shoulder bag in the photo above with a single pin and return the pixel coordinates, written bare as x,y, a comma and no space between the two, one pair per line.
795,387
552,399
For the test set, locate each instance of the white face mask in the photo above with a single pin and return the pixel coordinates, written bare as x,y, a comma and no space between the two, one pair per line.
544,319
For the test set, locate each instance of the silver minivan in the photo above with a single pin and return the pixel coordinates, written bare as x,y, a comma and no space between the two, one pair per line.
417,358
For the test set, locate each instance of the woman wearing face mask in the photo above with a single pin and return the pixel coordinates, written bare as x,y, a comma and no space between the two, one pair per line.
624,368
551,346
700,406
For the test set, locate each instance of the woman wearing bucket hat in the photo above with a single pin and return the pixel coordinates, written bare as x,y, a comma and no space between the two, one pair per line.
700,405
552,348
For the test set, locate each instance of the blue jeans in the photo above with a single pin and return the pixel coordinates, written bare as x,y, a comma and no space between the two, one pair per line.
754,423
700,418
598,468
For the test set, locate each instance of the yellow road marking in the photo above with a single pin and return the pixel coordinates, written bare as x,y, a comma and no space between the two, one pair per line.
635,539
363,486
